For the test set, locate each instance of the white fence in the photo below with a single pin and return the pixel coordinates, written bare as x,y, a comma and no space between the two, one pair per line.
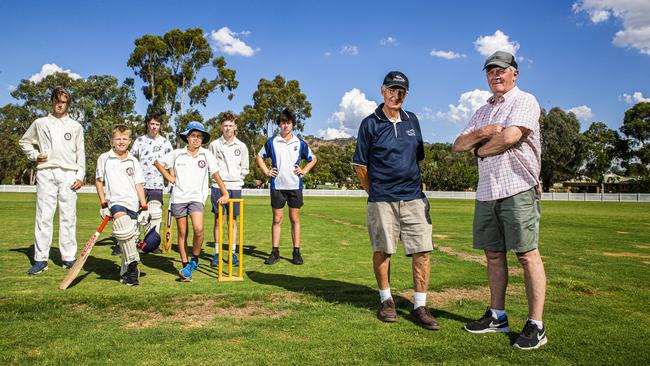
599,197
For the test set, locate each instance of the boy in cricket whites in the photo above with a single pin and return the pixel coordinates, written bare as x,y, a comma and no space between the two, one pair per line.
286,151
147,148
119,182
232,157
193,166
60,170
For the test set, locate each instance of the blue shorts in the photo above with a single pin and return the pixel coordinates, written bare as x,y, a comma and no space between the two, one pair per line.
216,194
118,208
153,195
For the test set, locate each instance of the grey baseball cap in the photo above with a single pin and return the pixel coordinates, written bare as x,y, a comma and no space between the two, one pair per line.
500,59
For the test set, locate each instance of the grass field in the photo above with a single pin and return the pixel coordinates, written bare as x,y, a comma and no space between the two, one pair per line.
597,258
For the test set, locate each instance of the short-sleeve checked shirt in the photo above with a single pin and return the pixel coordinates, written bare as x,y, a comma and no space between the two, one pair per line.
518,168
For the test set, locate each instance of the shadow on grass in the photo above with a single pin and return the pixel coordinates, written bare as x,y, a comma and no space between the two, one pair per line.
340,292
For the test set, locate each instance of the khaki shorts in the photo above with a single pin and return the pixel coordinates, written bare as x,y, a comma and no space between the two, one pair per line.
408,221
508,224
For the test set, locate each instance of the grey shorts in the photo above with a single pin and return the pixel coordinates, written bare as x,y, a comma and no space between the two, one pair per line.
510,223
186,208
408,221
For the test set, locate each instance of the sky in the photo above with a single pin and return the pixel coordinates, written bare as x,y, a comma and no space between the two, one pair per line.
591,57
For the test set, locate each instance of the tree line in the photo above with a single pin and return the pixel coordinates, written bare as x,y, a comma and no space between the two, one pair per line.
179,72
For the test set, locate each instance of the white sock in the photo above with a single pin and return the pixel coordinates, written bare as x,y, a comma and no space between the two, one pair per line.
384,294
419,299
498,314
538,323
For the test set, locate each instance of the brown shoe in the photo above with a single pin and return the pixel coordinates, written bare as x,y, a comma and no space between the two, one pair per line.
387,312
424,318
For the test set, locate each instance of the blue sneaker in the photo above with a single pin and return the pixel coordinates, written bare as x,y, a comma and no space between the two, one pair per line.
68,264
215,261
38,267
235,259
186,272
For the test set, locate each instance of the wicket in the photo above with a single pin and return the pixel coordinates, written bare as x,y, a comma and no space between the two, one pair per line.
240,237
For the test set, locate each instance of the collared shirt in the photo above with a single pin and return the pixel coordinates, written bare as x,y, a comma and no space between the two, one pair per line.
119,178
518,168
147,150
233,162
285,156
62,139
391,152
192,174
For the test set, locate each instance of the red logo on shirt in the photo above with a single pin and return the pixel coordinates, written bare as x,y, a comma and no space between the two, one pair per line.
237,152
67,136
129,171
201,164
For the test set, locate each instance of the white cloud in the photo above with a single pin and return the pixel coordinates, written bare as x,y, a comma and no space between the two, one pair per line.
11,88
426,114
245,33
353,108
468,103
388,41
328,54
226,41
499,41
49,69
447,55
349,49
636,97
583,113
634,14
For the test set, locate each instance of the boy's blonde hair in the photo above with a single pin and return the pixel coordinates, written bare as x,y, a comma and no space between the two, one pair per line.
121,129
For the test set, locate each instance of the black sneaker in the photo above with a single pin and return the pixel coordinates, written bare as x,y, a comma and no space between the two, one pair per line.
488,324
297,258
273,257
132,275
117,250
531,337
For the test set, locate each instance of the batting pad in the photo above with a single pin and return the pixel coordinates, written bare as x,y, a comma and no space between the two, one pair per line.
125,228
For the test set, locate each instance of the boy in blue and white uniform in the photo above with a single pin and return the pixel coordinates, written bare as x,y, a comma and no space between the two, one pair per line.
286,151
192,166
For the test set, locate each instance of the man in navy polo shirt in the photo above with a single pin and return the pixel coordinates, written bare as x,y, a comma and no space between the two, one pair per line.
286,151
389,147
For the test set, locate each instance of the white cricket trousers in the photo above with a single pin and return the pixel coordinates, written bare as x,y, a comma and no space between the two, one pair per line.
53,185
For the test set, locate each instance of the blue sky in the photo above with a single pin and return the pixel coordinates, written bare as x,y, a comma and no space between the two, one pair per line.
591,56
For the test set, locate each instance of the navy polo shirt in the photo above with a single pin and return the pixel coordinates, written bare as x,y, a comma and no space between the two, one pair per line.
391,152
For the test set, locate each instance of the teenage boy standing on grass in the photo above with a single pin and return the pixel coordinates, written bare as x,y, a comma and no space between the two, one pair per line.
147,148
119,181
193,166
232,157
286,151
60,170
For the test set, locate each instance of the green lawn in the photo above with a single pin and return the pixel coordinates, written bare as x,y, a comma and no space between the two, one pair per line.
597,258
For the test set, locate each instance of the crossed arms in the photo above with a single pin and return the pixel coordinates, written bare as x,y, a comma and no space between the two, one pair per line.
489,140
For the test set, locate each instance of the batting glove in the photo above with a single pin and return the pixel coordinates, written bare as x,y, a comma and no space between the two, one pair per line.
104,211
144,217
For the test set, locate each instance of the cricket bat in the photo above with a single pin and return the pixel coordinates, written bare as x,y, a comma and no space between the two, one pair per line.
83,256
167,245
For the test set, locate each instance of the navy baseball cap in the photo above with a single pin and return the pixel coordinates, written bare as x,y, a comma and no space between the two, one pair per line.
396,78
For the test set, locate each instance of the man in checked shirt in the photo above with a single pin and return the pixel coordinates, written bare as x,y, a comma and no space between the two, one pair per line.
504,135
